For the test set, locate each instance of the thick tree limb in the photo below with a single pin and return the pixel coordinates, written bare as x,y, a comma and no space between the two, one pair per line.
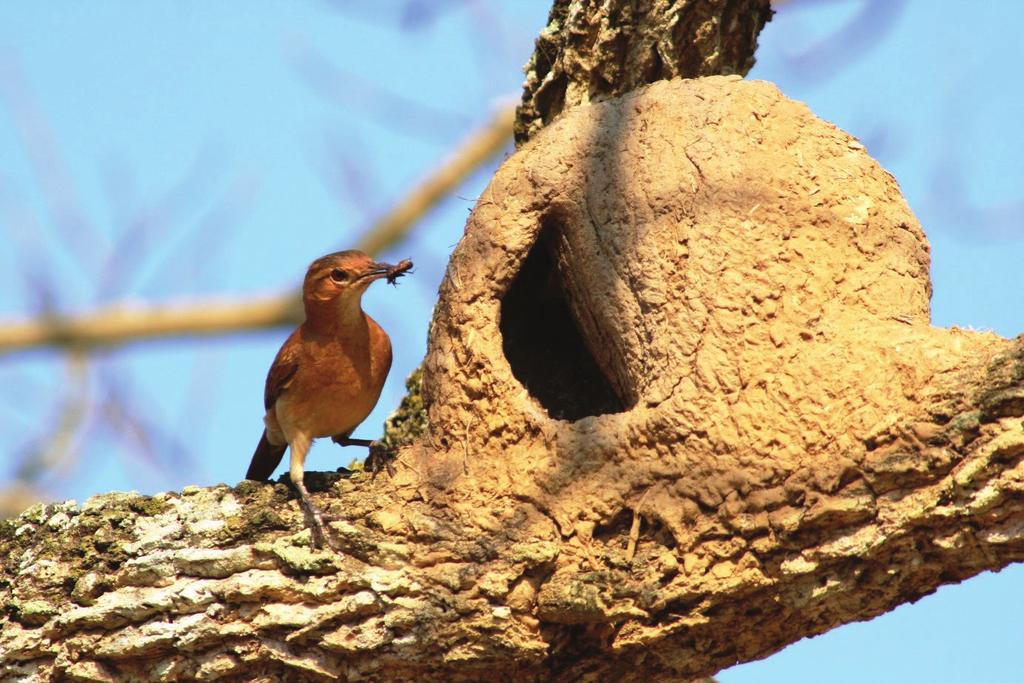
801,448
125,324
591,51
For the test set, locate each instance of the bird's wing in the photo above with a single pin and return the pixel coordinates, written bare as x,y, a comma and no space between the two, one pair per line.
286,364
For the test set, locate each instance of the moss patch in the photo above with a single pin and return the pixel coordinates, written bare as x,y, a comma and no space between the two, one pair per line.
409,420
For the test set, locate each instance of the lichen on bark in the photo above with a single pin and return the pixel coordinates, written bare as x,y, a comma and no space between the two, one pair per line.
406,424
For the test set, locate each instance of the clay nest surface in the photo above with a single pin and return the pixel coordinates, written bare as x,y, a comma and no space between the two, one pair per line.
697,308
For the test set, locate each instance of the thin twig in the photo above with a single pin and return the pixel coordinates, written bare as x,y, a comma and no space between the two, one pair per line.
480,146
124,324
634,528
56,449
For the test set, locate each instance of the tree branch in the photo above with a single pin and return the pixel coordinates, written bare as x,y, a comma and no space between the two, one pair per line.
591,51
801,448
124,324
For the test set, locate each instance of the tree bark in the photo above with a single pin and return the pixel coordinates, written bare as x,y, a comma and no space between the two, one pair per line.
684,407
591,51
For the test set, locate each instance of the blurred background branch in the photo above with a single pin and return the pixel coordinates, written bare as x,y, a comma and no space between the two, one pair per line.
124,324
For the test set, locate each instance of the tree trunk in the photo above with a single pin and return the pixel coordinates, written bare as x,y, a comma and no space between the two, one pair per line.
684,407
591,51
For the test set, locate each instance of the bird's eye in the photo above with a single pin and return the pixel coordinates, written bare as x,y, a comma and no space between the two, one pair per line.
339,275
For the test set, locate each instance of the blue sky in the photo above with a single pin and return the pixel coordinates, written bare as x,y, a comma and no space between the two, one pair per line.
237,141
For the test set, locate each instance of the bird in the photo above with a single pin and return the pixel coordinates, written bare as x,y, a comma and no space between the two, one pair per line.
328,374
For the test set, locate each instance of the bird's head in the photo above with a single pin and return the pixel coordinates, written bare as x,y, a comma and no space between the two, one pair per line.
334,284
342,276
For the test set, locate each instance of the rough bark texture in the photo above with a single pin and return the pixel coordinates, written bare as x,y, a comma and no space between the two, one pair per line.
766,439
592,50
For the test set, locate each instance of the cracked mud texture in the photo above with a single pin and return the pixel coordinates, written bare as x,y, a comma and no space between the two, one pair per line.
784,443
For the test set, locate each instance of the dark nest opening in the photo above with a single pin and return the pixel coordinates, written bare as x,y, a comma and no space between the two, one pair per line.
544,346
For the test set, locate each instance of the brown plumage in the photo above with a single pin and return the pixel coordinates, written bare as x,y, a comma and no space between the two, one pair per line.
329,373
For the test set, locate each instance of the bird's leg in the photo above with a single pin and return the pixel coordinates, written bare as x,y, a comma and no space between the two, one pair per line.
379,459
312,514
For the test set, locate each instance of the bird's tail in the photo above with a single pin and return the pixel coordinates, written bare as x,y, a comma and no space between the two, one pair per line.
265,460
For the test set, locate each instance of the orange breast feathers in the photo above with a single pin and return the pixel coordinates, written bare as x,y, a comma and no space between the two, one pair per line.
336,384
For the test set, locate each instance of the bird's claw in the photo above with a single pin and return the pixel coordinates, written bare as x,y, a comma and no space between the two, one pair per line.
379,460
317,528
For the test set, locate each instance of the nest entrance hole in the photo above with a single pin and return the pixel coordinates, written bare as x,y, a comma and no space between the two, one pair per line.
543,344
